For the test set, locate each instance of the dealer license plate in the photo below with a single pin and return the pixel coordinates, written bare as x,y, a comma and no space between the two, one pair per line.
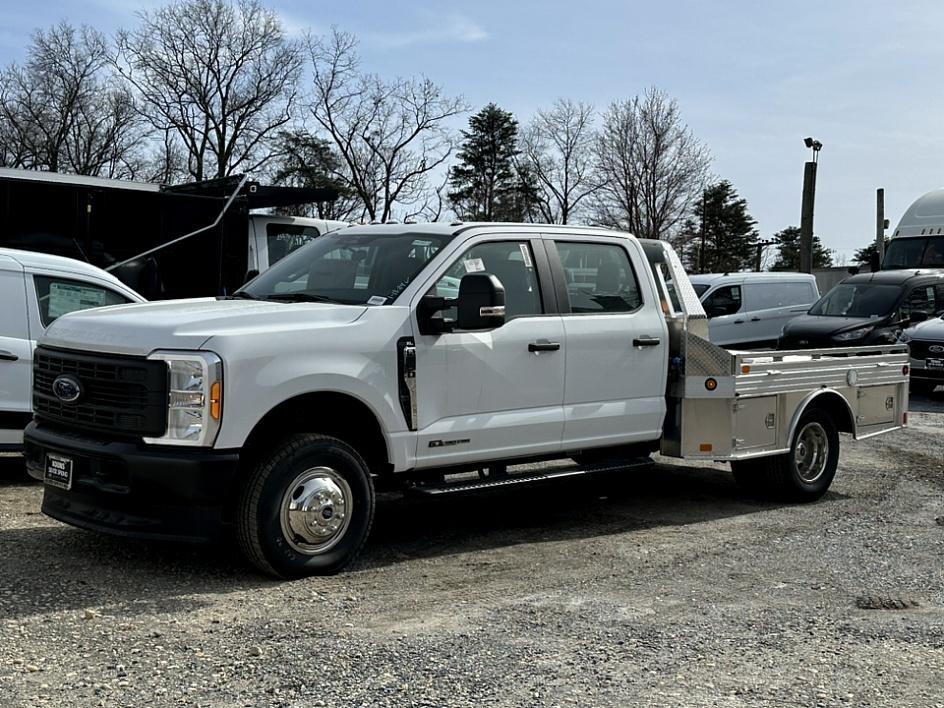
934,363
58,471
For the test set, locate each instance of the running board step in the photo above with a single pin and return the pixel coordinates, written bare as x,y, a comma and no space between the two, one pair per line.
470,482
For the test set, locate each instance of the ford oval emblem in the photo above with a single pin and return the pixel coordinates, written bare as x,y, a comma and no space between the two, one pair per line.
936,349
67,389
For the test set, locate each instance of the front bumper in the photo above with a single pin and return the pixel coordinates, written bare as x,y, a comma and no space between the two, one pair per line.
921,372
131,489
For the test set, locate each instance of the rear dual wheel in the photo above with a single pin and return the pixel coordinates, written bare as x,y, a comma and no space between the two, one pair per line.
802,475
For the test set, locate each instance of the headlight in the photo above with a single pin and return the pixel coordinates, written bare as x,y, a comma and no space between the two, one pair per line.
194,398
852,335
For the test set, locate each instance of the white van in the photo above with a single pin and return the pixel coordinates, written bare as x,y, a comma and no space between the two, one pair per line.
36,289
750,309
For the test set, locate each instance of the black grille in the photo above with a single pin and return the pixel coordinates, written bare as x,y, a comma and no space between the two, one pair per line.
921,350
125,396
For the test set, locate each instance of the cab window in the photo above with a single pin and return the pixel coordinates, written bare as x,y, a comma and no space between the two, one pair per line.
599,278
59,296
723,301
511,262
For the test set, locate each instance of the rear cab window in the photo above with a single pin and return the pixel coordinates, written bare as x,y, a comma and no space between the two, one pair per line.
59,296
600,278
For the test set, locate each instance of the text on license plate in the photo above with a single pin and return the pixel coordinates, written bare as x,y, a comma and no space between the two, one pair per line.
58,471
934,363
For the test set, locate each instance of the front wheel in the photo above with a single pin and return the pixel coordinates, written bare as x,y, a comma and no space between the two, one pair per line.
306,509
801,475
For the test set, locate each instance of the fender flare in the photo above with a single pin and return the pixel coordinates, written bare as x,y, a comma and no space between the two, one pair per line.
808,400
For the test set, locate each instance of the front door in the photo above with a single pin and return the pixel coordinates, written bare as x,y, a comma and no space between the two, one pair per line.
489,395
15,355
727,323
617,344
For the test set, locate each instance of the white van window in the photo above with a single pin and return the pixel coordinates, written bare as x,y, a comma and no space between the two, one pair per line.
723,301
766,296
58,297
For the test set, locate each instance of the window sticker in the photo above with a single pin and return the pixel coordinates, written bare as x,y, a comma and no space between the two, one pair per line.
474,265
65,298
376,300
526,254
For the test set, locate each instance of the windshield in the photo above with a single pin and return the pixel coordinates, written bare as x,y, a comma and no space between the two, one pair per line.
857,300
914,253
700,288
348,268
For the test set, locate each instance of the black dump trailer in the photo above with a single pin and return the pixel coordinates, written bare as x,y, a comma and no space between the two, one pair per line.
177,241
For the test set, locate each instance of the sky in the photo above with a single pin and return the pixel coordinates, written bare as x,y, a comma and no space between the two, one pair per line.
752,79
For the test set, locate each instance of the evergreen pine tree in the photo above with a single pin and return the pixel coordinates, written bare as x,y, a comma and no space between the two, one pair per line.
788,251
486,185
722,234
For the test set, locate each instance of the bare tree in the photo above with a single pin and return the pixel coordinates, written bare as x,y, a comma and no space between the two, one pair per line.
389,135
651,167
64,111
557,148
220,76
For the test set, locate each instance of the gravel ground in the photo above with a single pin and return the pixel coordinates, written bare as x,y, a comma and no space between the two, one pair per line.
669,587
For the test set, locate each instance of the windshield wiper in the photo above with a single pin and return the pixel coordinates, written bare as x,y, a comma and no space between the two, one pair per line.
240,295
300,297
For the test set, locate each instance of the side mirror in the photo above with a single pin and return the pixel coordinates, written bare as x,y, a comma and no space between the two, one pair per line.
918,316
250,274
481,302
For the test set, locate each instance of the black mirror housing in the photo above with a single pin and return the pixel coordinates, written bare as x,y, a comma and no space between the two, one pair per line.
918,316
481,302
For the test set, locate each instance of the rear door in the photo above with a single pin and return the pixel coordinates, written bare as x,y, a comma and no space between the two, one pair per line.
15,355
616,342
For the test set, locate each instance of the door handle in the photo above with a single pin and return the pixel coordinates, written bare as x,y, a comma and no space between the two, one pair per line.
646,342
738,321
7,356
543,345
755,319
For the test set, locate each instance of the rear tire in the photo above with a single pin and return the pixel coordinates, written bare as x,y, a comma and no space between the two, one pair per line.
802,475
306,509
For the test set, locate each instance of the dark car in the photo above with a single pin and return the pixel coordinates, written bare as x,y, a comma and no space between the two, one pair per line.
871,308
926,342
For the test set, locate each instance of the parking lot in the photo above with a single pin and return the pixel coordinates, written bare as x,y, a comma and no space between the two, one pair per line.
668,587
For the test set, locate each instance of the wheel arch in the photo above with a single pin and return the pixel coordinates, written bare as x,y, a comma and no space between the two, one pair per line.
830,401
335,413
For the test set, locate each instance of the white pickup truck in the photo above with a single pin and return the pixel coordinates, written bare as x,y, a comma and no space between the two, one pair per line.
434,357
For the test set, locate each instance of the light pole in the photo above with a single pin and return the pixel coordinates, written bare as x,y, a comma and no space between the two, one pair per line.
806,213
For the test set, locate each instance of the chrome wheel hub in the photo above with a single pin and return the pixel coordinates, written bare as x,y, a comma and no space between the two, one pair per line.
811,452
316,510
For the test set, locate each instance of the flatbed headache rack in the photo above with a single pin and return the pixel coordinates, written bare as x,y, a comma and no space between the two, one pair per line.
731,405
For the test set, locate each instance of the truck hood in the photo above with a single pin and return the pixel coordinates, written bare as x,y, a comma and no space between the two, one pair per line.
139,329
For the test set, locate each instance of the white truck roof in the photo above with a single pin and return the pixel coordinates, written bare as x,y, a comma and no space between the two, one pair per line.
925,216
33,260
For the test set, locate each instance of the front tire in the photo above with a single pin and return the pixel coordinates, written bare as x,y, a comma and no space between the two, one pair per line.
306,509
802,475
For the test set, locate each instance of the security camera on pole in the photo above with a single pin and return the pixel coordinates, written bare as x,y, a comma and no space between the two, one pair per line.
806,214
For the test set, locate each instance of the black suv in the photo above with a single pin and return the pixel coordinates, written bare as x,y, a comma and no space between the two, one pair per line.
870,308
